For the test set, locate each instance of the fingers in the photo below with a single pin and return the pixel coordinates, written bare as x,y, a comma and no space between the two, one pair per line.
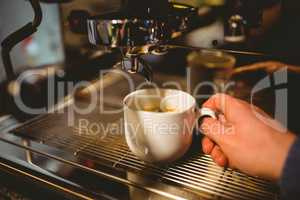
229,106
213,129
220,102
215,151
219,157
207,145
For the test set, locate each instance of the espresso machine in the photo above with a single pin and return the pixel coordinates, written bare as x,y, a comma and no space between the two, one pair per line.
49,155
137,28
148,28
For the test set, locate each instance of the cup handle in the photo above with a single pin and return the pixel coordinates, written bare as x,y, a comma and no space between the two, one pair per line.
206,112
201,113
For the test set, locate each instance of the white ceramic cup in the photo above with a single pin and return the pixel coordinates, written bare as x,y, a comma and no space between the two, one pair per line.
164,134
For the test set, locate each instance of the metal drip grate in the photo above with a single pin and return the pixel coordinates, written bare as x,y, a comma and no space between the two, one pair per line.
196,173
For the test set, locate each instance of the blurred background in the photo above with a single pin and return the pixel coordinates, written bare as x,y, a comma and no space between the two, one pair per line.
151,40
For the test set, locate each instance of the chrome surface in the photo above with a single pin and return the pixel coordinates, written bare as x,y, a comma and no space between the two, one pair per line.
137,65
107,157
127,32
196,173
147,33
117,30
235,29
96,166
130,35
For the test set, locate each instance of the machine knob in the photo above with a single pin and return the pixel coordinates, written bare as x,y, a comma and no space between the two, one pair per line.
235,30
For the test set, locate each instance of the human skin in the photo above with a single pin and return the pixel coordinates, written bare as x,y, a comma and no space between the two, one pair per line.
245,138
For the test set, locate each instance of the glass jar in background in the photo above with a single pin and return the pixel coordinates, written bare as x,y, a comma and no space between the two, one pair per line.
209,73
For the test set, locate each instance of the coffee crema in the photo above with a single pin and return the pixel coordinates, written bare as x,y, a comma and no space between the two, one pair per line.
153,108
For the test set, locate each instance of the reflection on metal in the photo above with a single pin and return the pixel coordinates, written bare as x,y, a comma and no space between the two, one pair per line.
136,64
196,173
28,153
110,78
127,32
58,187
235,31
79,166
245,53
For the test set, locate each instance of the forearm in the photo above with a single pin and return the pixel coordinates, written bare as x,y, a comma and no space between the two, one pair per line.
290,179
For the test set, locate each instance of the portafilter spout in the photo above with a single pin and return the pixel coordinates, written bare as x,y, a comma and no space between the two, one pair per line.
133,37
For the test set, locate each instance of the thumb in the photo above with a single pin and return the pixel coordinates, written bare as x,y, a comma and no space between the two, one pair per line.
215,129
229,106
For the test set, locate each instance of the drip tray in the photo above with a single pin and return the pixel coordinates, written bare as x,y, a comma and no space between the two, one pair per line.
195,173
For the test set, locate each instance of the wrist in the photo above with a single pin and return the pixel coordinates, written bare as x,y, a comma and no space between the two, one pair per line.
281,145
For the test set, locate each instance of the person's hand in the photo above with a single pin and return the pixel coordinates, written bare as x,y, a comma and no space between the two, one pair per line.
245,138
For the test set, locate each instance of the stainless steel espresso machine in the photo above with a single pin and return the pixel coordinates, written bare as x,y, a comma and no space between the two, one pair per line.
143,28
48,154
